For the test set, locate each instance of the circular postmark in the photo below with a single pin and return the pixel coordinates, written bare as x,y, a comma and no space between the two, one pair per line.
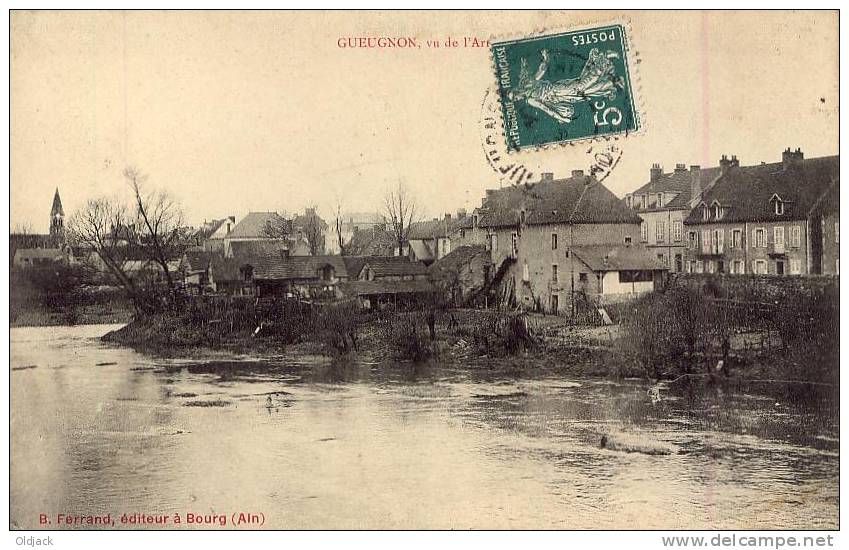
602,156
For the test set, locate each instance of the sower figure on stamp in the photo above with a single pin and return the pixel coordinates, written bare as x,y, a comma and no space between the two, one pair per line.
597,80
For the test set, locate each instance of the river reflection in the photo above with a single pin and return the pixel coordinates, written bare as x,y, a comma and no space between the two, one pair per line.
320,444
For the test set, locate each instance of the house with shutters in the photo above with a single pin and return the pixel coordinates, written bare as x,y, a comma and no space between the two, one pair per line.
534,232
764,219
663,203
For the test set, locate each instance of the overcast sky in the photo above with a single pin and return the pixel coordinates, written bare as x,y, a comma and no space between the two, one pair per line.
239,112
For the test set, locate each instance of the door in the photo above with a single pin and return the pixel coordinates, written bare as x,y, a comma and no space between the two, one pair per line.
555,304
779,268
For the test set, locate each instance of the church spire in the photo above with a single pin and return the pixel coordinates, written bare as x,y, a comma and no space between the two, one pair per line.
57,205
57,218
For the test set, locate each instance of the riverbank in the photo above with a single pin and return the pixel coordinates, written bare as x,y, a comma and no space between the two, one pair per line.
97,314
469,339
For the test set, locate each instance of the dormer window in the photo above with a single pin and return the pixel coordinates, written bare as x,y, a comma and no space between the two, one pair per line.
717,211
705,213
777,205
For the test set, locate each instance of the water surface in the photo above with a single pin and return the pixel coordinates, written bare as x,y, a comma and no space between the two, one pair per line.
312,444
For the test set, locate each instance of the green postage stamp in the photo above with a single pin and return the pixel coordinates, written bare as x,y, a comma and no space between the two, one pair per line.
565,87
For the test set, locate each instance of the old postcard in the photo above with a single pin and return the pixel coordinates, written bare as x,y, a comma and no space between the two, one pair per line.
488,270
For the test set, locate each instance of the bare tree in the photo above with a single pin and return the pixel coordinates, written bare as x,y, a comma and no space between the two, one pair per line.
158,231
94,227
278,227
313,231
339,222
401,211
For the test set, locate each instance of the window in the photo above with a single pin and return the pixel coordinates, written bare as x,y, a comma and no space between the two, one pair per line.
677,230
555,304
661,231
710,267
522,216
795,267
795,236
582,277
689,266
644,201
554,241
779,207
778,238
760,267
494,238
526,274
705,213
837,232
644,232
717,212
679,263
698,266
705,241
462,233
779,267
627,239
635,276
661,259
694,239
759,237
554,273
659,200
736,238
514,238
738,267
718,241
475,220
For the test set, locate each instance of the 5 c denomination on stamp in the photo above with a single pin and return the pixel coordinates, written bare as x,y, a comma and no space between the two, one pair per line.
565,87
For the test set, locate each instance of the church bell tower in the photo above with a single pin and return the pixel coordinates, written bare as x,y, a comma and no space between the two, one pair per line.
57,219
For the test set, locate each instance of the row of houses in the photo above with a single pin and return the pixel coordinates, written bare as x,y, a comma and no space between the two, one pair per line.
778,218
542,245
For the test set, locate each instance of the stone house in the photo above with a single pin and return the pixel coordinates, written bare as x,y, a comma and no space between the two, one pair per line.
763,219
532,229
431,240
316,277
463,274
612,272
663,203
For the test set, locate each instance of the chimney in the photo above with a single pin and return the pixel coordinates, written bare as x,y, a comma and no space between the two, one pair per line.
655,172
680,168
724,164
547,176
577,173
695,181
792,158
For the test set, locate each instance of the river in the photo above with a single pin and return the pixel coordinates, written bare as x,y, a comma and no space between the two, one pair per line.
311,444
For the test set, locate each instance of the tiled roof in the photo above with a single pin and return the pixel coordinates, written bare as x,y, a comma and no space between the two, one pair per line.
746,192
576,199
392,266
458,257
251,249
40,253
366,288
372,242
254,225
198,260
617,257
433,229
678,182
227,269
297,267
